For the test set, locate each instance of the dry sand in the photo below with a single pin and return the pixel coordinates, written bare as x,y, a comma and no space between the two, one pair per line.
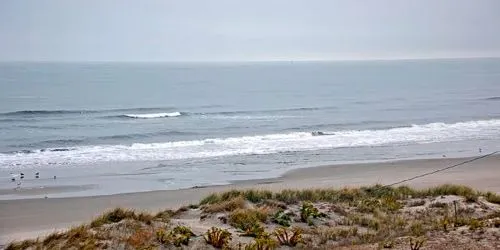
30,218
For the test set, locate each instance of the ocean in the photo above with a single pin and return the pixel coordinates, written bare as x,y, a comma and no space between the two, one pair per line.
129,127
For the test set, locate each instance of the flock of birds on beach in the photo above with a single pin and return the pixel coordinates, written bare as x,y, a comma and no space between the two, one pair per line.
20,177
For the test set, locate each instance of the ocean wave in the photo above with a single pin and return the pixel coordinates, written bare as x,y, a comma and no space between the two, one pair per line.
160,112
494,98
142,135
152,115
46,144
82,111
45,112
242,112
100,139
259,144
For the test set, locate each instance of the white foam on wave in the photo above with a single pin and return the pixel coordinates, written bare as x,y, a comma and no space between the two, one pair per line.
154,115
259,144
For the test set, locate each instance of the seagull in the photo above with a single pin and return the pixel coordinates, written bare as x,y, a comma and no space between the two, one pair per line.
13,177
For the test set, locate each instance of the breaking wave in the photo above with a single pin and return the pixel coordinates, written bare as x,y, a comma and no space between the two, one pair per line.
257,144
153,115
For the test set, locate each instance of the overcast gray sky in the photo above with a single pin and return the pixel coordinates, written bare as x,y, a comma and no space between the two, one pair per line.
232,30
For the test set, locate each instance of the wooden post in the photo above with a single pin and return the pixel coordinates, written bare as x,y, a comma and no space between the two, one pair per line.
456,216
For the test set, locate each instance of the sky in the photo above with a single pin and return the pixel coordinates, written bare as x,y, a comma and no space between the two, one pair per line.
256,30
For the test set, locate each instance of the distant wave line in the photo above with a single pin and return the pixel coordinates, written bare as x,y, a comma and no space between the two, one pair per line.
494,98
46,144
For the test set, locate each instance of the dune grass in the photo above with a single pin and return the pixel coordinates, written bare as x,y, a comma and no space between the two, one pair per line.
367,215
290,196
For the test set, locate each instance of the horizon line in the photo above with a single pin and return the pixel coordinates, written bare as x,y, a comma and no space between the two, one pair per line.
257,61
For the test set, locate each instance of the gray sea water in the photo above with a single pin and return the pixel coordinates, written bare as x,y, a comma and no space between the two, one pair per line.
126,127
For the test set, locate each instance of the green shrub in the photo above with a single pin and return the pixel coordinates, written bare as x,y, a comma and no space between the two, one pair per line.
247,220
282,218
262,244
308,211
163,237
181,235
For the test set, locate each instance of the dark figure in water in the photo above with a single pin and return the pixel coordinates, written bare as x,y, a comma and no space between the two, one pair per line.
37,175
317,133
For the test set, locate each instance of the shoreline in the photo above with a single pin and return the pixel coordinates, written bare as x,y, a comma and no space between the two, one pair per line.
29,218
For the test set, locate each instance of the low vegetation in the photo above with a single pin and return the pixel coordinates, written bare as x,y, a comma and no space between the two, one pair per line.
368,217
217,237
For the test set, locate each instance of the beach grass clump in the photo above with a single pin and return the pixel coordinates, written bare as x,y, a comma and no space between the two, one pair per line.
275,204
450,189
251,195
116,215
344,233
225,206
79,237
365,221
417,228
416,243
52,238
22,245
217,237
492,197
248,220
257,196
165,215
265,243
289,237
326,234
144,217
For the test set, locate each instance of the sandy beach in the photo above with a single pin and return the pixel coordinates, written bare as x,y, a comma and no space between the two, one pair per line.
29,218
